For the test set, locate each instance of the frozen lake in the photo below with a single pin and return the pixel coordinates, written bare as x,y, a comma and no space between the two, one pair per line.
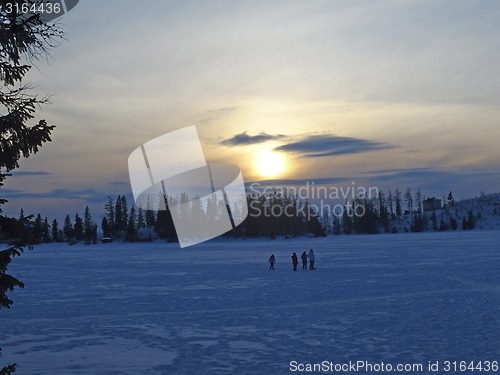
217,309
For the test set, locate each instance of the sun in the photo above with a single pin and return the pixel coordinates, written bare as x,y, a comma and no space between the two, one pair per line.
270,164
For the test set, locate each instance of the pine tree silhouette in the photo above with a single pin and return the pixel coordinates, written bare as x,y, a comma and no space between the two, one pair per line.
21,39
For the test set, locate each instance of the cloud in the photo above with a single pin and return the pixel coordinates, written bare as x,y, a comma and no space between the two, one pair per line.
314,146
89,195
426,173
244,139
119,183
410,173
31,173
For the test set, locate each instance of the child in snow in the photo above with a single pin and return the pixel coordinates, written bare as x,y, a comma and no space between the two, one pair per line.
295,261
304,260
272,262
311,259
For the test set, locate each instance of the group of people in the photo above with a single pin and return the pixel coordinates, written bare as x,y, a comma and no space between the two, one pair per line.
295,261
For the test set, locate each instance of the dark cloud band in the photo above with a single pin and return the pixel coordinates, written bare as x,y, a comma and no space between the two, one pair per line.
244,139
315,146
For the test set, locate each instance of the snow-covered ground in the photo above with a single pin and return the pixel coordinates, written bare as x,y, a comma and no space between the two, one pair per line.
217,309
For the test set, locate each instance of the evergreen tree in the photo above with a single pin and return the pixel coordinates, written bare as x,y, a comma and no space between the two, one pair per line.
443,225
255,209
88,226
93,236
336,225
21,231
453,223
106,229
109,209
131,234
418,200
347,224
465,224
434,221
119,224
409,201
314,226
121,216
418,223
390,204
124,209
365,223
383,212
46,231
397,200
150,215
78,228
55,231
450,200
21,39
295,221
68,228
36,236
471,222
140,218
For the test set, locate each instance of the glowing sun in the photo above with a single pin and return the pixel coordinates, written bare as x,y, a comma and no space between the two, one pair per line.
270,164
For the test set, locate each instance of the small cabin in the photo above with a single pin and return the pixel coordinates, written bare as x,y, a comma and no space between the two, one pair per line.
431,204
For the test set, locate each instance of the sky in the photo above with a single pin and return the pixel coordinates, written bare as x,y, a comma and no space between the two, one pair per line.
393,94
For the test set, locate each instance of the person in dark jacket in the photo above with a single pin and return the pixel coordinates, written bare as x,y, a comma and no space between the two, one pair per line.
295,261
312,258
272,262
304,260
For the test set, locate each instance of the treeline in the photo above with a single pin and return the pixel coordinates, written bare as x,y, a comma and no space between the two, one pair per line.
269,216
39,230
396,212
124,224
119,223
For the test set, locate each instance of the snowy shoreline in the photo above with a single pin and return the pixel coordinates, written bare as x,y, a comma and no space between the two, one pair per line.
260,240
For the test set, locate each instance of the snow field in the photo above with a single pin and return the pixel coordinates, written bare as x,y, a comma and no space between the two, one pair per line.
216,308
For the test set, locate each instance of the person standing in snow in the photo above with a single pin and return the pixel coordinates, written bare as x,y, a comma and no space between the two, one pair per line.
295,261
312,258
272,262
304,260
